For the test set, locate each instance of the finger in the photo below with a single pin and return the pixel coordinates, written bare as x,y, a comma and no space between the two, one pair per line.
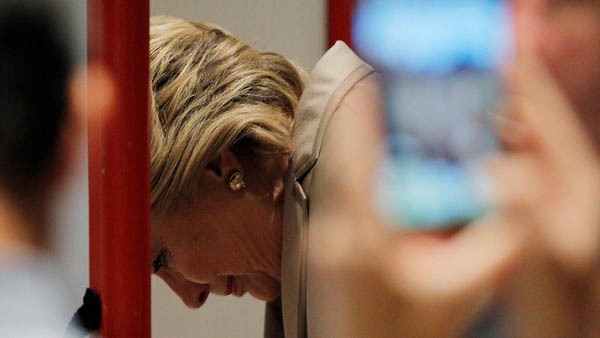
467,266
571,231
511,133
550,118
447,278
517,183
565,219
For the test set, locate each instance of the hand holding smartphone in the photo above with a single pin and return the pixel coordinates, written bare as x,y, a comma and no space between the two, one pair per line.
440,63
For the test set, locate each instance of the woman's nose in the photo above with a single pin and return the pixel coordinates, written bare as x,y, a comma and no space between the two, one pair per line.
192,294
195,298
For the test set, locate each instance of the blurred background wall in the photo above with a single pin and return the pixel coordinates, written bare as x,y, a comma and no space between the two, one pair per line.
70,219
296,29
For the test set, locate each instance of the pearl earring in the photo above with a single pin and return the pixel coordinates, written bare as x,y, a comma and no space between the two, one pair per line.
236,181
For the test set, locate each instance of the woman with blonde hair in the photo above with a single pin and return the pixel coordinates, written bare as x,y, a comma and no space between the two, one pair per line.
248,152
234,149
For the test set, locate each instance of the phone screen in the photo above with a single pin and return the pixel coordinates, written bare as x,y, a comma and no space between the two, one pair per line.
439,62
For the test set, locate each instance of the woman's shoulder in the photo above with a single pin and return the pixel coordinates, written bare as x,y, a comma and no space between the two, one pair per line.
338,80
335,62
332,78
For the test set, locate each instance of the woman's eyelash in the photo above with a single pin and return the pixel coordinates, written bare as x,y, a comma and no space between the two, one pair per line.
159,262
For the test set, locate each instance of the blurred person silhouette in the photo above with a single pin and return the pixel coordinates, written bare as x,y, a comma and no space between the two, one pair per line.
538,251
40,124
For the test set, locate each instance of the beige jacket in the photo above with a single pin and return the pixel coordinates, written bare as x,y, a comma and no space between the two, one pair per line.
339,89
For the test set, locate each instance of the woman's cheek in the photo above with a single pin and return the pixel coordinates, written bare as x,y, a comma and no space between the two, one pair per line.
188,269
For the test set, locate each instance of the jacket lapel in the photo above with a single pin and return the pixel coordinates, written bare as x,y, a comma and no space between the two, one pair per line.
317,104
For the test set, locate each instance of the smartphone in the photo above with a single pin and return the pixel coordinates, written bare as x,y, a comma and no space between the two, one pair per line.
440,64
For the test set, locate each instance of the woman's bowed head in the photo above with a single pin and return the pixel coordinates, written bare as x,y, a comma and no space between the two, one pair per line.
221,119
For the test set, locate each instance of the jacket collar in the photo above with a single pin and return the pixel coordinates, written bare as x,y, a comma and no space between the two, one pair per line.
321,97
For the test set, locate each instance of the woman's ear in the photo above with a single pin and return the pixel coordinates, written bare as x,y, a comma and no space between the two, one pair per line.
223,165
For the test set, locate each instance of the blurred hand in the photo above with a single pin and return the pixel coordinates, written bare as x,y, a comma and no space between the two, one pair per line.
411,285
540,247
551,174
550,180
383,283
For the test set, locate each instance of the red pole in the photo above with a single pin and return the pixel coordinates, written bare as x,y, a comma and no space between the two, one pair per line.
119,162
340,21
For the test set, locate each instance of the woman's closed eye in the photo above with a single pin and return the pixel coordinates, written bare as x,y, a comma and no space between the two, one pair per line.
160,262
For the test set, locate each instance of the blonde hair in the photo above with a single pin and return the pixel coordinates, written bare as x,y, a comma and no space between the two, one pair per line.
210,91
